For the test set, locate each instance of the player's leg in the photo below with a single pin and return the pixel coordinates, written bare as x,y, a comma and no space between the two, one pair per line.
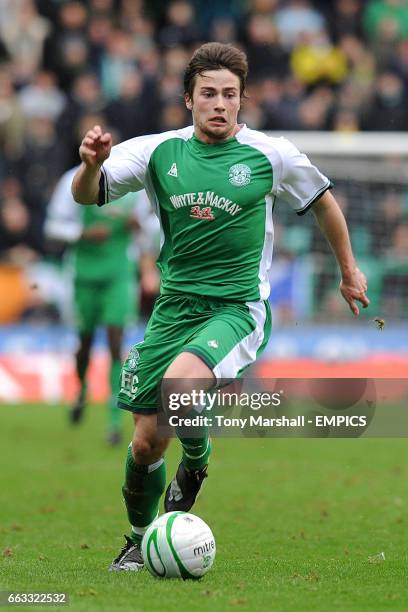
81,366
226,345
85,317
145,469
115,336
145,480
116,303
187,372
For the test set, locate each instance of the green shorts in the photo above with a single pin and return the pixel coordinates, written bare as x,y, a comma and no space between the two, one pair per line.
106,303
227,336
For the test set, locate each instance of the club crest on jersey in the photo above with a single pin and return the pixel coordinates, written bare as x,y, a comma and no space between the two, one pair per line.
239,175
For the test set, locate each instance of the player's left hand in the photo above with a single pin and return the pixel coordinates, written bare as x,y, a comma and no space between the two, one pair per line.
353,287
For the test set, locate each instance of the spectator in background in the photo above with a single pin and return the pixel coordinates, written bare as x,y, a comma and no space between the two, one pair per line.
117,62
386,19
180,27
41,163
266,8
23,31
361,64
385,24
133,112
139,24
18,249
388,109
11,120
66,50
344,19
208,13
19,242
224,29
252,114
104,7
100,27
315,59
85,97
266,56
281,101
295,19
270,93
173,115
399,63
345,120
42,98
315,109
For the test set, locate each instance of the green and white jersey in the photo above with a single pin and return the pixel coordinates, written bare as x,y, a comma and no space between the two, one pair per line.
214,203
95,261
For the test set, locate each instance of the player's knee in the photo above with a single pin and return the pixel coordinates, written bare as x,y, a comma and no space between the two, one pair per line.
146,451
187,366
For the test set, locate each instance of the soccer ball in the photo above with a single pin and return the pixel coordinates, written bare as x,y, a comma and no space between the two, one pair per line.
178,545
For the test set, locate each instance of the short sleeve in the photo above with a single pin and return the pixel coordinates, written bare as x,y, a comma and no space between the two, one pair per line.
64,220
300,183
125,169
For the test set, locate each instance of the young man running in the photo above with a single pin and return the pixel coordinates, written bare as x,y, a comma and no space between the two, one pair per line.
213,186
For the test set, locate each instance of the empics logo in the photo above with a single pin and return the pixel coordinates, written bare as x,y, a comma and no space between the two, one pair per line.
239,175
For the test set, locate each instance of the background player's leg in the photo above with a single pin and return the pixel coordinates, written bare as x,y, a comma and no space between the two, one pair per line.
145,475
81,363
115,335
183,375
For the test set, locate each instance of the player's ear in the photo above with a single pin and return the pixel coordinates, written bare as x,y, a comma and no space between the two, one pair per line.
188,101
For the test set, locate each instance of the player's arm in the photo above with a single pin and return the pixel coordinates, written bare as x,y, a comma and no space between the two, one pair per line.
353,285
94,150
63,222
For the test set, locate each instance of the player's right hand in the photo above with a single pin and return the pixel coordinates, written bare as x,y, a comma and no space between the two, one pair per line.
95,147
353,288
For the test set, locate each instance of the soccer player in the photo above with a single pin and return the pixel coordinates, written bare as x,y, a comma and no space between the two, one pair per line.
213,186
104,278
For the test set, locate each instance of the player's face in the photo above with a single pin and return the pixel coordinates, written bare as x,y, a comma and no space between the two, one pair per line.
215,104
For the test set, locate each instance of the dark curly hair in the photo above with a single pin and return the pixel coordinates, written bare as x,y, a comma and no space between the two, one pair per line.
216,56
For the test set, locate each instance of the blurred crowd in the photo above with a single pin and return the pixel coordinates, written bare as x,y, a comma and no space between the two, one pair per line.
65,65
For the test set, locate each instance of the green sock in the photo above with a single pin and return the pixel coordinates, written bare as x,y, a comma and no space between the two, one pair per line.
144,485
196,451
115,413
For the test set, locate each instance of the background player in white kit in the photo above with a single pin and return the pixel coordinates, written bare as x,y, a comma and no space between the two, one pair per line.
213,186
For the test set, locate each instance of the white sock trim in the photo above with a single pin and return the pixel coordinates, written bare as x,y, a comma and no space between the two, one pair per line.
155,466
152,466
140,531
196,456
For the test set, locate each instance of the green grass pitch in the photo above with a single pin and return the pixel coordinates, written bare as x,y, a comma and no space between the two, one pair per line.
295,521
